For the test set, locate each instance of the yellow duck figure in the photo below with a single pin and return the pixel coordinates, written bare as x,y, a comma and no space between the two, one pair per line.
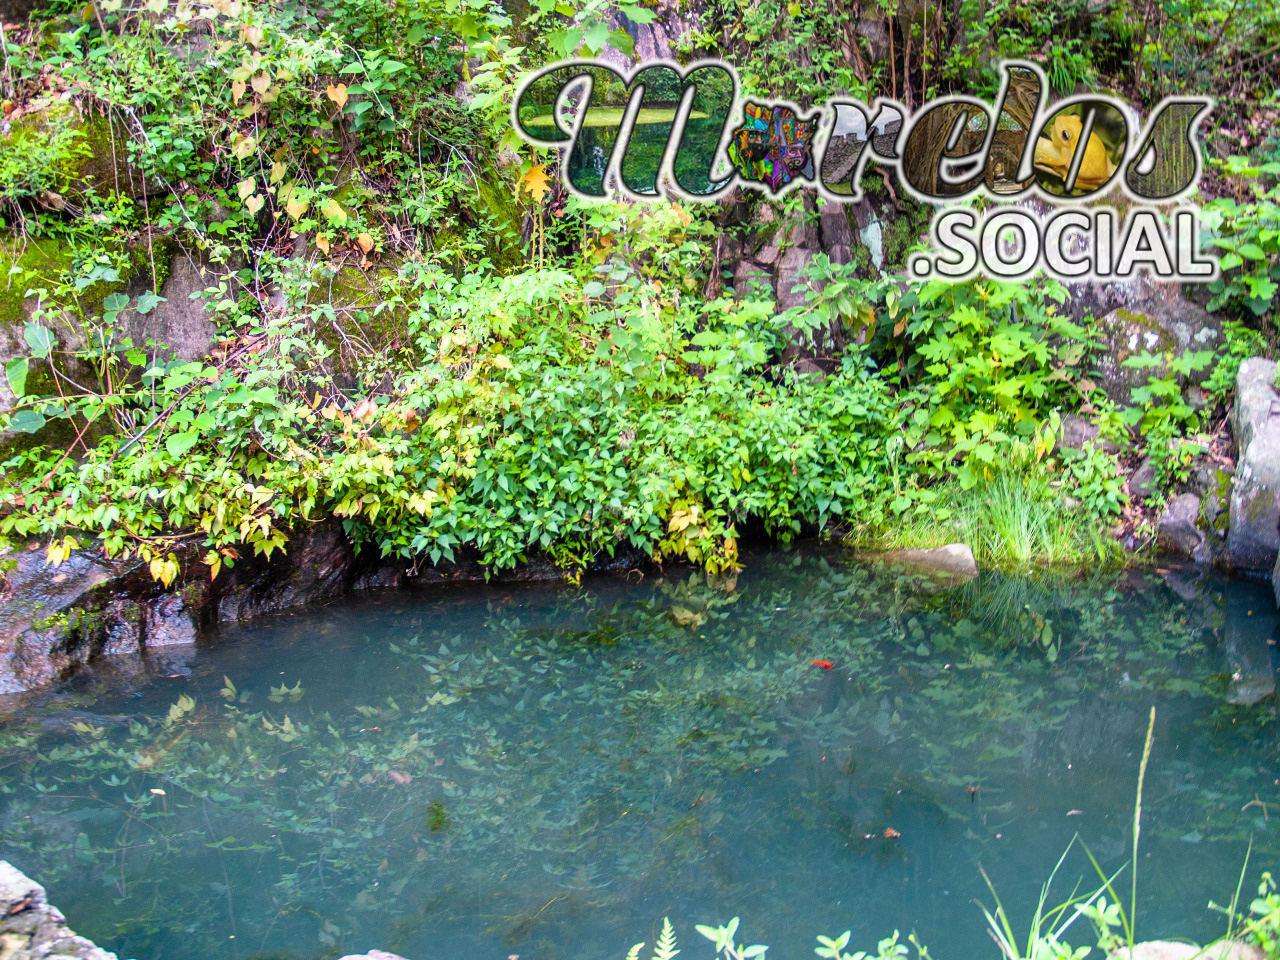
1054,155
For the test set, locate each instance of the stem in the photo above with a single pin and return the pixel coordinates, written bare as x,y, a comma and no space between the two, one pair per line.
1137,825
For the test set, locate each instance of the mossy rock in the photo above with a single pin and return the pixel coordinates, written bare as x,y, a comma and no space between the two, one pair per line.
497,200
41,264
902,232
44,265
356,327
1165,329
95,159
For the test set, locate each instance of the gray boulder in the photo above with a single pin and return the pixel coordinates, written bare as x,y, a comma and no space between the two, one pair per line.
1142,482
31,928
1075,431
1253,535
1166,327
953,563
1178,531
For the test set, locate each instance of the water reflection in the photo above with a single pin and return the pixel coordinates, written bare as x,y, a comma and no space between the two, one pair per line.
548,771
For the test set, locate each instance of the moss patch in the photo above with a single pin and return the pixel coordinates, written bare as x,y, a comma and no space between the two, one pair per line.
497,201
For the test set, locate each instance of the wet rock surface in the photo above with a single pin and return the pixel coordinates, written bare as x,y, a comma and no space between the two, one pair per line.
1253,536
34,929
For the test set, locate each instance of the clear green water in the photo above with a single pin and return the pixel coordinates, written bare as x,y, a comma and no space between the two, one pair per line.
547,771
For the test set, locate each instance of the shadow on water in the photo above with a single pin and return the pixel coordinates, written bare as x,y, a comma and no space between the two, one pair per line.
547,771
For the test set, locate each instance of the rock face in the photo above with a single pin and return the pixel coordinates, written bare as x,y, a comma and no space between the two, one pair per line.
1253,535
180,322
1165,326
32,928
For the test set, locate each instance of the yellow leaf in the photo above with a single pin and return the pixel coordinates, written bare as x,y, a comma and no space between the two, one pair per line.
322,242
56,553
536,182
255,203
260,82
243,147
246,187
237,90
277,171
333,211
297,206
338,94
254,36
365,241
501,361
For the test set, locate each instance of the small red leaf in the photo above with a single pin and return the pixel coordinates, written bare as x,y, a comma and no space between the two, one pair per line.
824,664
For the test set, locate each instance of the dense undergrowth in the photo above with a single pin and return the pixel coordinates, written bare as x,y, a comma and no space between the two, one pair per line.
532,373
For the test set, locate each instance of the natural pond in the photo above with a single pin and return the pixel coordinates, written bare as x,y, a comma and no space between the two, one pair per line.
547,771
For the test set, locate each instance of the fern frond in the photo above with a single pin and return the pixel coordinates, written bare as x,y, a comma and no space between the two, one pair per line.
634,952
666,946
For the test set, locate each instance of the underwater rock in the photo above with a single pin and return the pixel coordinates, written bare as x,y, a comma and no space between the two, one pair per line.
1253,535
34,929
372,955
953,563
1247,629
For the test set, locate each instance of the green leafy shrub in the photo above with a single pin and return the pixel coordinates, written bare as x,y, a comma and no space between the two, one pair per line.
1249,232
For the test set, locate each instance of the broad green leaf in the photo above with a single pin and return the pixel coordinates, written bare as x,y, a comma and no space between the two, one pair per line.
148,302
179,443
40,339
15,372
26,421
